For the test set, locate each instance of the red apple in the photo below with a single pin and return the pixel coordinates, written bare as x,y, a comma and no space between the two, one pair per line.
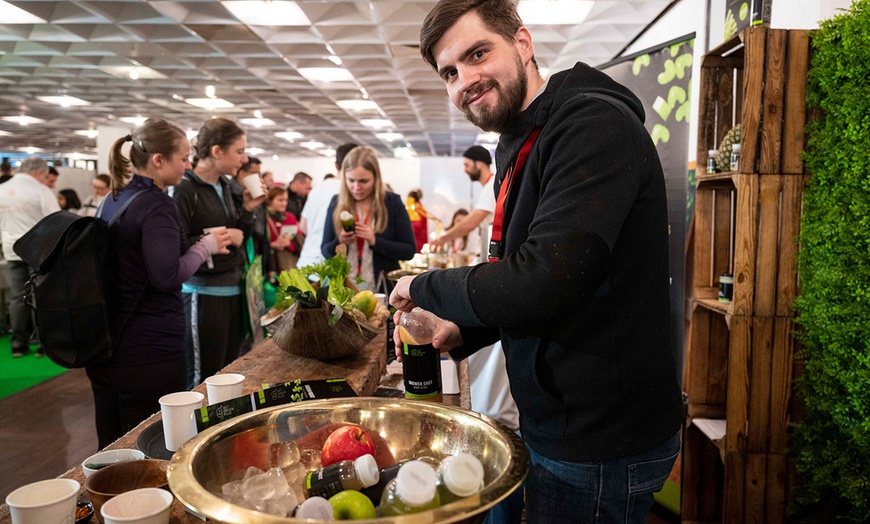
346,443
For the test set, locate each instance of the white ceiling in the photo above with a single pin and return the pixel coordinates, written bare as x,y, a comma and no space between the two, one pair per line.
192,44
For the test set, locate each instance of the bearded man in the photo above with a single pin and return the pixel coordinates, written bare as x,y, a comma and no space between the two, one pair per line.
579,255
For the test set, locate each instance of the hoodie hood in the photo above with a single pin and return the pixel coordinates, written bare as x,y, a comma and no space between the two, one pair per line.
562,86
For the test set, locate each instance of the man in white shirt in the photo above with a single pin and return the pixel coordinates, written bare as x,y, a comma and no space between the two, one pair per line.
24,201
476,161
490,390
314,213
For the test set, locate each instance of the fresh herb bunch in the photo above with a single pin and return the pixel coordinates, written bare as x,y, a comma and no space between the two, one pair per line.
832,444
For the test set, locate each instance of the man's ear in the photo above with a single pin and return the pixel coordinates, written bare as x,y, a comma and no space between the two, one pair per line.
523,43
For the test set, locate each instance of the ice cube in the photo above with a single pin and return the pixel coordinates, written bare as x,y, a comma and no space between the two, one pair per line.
281,506
310,458
268,485
284,454
295,472
252,471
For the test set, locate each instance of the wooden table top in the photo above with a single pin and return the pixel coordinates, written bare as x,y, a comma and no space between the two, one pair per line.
267,363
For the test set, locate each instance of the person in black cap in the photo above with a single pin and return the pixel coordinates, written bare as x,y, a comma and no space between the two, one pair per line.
476,161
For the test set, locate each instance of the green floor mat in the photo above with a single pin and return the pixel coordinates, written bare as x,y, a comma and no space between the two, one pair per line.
17,374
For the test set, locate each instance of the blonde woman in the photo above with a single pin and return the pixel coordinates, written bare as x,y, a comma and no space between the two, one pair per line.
381,234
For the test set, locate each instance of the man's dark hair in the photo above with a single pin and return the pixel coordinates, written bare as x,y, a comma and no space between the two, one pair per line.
341,152
499,16
300,177
53,171
252,161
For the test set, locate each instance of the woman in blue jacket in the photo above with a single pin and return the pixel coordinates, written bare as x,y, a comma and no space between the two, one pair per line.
382,233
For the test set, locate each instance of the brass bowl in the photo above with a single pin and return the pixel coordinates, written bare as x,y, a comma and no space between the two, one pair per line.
407,429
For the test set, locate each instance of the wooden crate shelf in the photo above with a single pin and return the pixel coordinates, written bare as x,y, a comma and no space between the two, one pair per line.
740,363
770,100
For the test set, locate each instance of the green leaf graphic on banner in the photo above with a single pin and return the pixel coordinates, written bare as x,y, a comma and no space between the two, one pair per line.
669,73
661,107
639,63
744,11
660,133
675,49
676,94
682,62
683,112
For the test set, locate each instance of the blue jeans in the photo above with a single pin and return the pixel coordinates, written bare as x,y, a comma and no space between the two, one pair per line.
608,491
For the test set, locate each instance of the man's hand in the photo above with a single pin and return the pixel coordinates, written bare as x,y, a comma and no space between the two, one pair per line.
438,242
446,337
400,298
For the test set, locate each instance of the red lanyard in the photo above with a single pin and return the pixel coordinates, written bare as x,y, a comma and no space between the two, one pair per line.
360,244
495,242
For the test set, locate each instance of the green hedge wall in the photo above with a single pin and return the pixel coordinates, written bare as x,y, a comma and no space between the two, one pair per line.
832,445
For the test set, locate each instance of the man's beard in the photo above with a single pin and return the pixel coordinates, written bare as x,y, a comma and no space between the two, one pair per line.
508,106
474,175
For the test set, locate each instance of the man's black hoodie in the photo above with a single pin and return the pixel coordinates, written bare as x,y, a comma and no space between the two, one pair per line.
580,297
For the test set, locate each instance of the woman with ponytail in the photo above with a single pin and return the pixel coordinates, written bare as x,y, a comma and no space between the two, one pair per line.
148,260
213,298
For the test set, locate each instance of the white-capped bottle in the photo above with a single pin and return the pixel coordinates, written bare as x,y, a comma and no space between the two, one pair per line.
711,160
347,474
459,476
412,491
735,156
317,508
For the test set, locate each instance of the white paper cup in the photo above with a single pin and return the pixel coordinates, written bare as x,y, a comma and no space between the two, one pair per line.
210,261
224,387
140,506
253,183
290,230
112,456
45,502
177,409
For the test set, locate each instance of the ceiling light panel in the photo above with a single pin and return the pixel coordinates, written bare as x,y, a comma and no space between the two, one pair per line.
267,13
257,122
358,106
554,12
11,14
23,120
326,74
210,103
64,101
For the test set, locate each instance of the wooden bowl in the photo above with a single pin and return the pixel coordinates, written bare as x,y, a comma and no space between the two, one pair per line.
307,333
118,478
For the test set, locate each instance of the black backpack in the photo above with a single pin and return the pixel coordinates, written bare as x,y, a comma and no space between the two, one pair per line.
68,285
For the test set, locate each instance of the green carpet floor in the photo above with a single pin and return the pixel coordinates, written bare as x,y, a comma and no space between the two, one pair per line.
17,374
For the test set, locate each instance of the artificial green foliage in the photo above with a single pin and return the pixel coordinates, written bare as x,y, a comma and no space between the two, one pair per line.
832,444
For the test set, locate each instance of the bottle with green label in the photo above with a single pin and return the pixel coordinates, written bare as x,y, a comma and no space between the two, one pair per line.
459,476
348,474
412,491
421,362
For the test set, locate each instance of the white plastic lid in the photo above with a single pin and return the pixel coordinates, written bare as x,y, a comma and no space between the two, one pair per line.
315,508
713,152
367,470
415,483
735,148
462,474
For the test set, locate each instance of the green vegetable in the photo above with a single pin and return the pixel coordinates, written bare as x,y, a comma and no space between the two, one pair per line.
295,279
333,273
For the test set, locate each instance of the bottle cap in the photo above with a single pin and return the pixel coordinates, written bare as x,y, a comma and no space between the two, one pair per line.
367,470
415,483
314,508
713,152
735,148
462,474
